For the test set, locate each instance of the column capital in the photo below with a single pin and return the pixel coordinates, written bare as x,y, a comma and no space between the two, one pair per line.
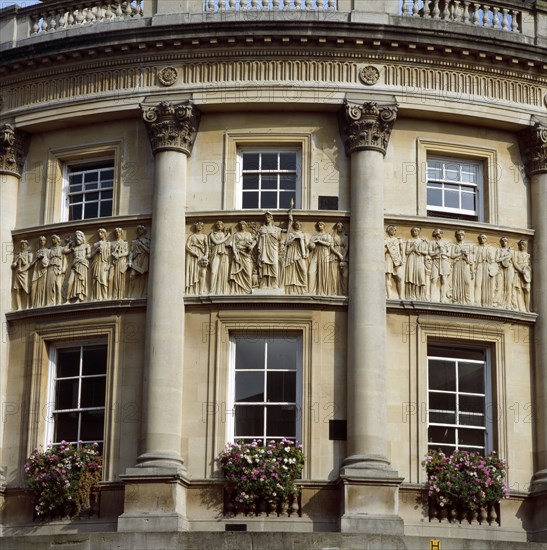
366,127
13,150
172,127
533,147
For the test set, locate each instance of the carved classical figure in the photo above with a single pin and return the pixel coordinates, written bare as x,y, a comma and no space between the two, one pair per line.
295,266
439,252
339,261
486,270
506,275
241,276
416,250
138,264
269,239
197,260
523,277
100,266
219,259
393,263
119,252
320,246
22,261
461,254
55,272
77,279
38,291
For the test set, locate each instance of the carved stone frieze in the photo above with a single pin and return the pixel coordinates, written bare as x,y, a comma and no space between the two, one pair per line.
458,271
172,127
533,145
13,149
366,127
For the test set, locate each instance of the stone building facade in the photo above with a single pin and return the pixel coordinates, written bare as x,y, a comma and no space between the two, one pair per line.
347,192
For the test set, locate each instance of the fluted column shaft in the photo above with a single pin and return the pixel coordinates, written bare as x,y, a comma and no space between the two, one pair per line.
172,130
13,149
534,150
367,129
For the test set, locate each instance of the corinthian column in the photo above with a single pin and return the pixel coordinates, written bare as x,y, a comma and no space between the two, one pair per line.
533,143
13,149
371,486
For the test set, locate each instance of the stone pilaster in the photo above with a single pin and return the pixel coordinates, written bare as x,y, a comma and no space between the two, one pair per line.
533,144
172,130
370,485
13,149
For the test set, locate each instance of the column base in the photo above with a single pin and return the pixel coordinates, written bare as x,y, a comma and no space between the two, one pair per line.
371,499
154,500
163,461
539,482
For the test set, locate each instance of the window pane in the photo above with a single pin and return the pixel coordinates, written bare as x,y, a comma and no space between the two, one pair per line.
250,386
443,417
282,353
452,199
442,375
434,197
287,182
75,188
249,353
281,421
287,161
250,181
285,199
281,387
472,404
75,212
442,401
269,182
468,201
76,178
106,208
452,172
269,161
91,177
66,394
471,377
91,210
91,185
66,427
92,426
434,170
269,200
472,420
249,420
93,391
94,360
471,437
68,362
91,197
107,176
440,434
250,200
105,195
250,161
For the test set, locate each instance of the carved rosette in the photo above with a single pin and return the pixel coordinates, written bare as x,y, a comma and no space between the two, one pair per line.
366,127
172,127
13,150
533,146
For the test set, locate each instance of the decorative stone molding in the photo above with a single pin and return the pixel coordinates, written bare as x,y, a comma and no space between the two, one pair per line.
366,127
172,127
533,146
168,76
369,75
13,149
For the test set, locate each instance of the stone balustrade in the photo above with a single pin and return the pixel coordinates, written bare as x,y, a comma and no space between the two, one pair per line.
269,5
493,15
489,514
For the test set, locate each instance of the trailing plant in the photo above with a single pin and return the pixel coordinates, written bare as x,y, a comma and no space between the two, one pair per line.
263,473
465,480
61,477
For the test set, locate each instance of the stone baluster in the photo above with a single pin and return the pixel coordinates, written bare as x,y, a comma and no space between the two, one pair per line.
366,130
465,14
533,145
297,4
436,12
475,16
486,16
445,14
495,17
515,21
505,20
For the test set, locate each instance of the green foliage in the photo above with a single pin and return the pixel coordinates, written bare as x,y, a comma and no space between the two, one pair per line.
465,480
260,473
61,477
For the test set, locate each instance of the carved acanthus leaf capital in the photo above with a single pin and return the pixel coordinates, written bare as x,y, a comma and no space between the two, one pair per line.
533,146
172,127
366,127
13,150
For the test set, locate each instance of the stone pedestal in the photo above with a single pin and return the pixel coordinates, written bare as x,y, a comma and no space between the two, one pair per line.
370,485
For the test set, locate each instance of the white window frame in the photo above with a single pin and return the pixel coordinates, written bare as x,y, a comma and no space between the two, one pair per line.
278,172
475,188
450,354
231,386
52,390
87,166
